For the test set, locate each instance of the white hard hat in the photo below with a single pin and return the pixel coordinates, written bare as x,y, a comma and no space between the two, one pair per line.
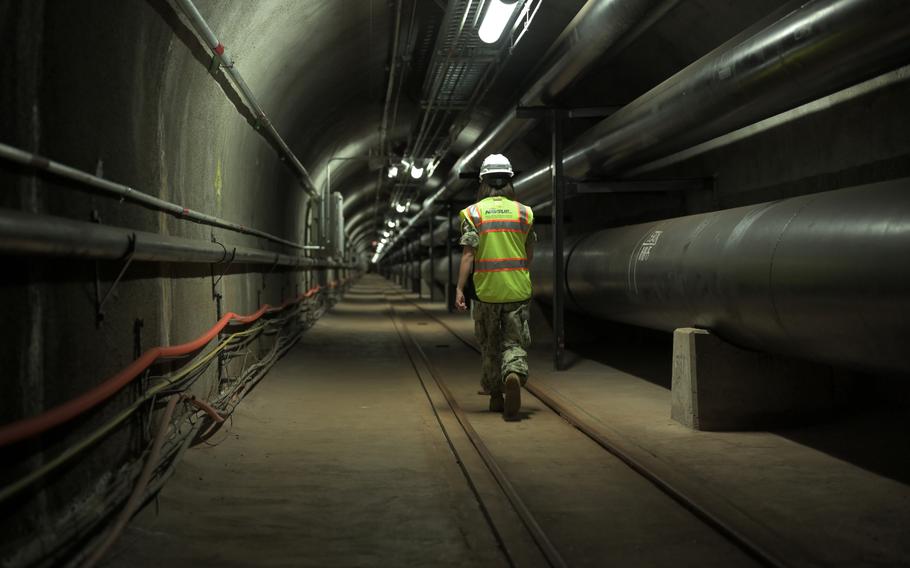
496,164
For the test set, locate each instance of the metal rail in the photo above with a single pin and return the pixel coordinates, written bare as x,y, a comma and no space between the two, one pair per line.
784,556
540,538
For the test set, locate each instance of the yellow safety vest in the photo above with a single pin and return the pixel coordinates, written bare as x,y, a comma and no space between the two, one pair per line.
501,260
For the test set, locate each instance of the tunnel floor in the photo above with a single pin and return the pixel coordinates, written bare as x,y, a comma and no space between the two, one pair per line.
346,455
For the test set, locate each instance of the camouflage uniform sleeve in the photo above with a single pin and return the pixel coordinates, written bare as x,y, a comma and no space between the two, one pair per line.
469,236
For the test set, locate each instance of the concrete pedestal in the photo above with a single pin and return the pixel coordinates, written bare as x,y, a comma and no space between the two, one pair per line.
718,386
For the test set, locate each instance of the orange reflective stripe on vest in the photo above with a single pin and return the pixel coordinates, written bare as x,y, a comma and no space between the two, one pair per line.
500,259
501,264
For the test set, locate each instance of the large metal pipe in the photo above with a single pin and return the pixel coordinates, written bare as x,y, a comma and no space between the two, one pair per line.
43,235
817,49
823,277
599,25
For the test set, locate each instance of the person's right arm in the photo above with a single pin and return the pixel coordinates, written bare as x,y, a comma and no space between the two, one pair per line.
464,272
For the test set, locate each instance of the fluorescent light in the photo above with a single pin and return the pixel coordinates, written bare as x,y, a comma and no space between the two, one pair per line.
416,172
400,208
393,172
495,20
391,224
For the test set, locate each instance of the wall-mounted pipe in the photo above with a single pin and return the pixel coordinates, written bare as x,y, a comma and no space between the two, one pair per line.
817,49
823,276
227,63
336,225
43,235
126,192
598,26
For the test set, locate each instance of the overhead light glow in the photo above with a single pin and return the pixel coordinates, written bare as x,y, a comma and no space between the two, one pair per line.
495,20
416,172
393,172
400,207
391,224
431,167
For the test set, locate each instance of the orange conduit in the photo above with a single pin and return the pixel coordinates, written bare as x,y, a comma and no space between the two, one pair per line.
205,407
30,427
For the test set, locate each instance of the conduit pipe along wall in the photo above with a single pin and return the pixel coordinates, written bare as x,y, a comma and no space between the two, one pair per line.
126,192
227,63
598,26
29,234
817,49
823,276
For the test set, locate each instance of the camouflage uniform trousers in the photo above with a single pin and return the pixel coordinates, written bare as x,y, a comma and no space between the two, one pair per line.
504,337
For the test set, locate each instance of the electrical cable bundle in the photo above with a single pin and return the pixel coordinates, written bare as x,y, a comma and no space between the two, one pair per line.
172,440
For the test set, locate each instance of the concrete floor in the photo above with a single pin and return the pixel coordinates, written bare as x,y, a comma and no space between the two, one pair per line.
835,493
337,459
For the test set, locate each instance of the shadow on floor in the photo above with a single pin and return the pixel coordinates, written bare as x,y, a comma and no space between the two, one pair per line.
872,433
873,438
644,353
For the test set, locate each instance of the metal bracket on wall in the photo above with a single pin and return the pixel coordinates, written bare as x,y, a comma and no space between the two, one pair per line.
217,296
99,301
214,65
267,273
215,281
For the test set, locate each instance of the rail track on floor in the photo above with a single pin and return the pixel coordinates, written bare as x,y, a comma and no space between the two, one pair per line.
733,525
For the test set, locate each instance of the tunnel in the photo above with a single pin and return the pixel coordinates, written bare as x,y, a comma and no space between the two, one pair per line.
236,242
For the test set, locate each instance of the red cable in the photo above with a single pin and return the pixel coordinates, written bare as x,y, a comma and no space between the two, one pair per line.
30,427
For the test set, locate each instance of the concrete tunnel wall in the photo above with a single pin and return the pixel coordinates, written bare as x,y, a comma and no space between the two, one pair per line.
122,89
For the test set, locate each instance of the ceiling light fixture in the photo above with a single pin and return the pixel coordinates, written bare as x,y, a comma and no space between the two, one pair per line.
416,172
495,19
400,208
393,172
431,167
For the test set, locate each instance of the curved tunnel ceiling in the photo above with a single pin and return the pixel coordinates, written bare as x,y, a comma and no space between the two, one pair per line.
320,69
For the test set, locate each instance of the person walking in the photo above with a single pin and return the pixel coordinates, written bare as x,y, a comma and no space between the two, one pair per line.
497,239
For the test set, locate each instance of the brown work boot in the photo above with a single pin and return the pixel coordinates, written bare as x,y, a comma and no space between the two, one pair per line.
496,403
512,398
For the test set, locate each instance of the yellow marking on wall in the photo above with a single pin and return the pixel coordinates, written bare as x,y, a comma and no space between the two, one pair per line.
218,183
